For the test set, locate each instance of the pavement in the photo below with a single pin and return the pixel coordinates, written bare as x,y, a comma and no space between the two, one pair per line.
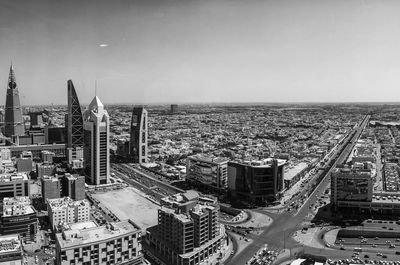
284,225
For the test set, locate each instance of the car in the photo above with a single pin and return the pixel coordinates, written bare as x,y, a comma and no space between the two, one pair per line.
366,256
379,254
384,256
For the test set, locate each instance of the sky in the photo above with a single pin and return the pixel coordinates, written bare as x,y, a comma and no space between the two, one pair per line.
188,51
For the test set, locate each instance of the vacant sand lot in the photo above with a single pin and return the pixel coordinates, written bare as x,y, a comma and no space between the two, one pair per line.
128,203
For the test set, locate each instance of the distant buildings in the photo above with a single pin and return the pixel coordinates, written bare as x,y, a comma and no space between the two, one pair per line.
209,171
174,108
138,131
188,230
19,217
115,243
14,185
66,211
13,122
256,182
10,250
96,143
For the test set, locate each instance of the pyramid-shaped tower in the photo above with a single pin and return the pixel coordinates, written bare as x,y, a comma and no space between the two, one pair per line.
13,123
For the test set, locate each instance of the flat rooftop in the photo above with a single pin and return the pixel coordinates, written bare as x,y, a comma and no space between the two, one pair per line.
17,206
65,202
209,159
8,177
76,237
10,243
292,172
130,203
267,162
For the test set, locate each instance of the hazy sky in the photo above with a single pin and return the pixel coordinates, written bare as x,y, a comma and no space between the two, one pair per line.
202,50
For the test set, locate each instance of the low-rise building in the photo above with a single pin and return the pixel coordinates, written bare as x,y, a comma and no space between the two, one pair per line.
207,170
10,250
14,185
19,217
114,243
66,211
44,169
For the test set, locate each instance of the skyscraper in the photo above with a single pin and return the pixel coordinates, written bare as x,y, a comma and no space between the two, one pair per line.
13,115
74,120
138,142
96,143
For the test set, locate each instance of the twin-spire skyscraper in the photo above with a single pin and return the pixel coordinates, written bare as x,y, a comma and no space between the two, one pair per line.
89,131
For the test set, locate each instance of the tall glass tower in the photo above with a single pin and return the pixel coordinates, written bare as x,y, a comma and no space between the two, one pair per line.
74,120
13,123
96,127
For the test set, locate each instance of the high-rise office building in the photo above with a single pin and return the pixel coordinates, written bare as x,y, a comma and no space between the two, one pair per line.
138,142
13,115
96,143
51,188
188,230
74,119
256,182
73,186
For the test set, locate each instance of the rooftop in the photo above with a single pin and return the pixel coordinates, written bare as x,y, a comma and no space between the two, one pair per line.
59,203
17,206
9,243
75,237
209,159
291,172
7,177
267,162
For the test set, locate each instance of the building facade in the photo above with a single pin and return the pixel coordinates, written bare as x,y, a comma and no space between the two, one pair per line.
10,250
73,186
116,243
188,231
256,182
74,119
138,142
96,143
212,172
44,169
13,122
67,211
14,185
51,187
19,217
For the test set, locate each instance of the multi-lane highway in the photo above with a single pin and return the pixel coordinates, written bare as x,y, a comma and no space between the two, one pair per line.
279,233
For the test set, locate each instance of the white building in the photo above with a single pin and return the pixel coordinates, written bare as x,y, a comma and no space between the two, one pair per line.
67,211
96,128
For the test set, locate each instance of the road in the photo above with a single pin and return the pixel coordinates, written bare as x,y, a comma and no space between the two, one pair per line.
279,233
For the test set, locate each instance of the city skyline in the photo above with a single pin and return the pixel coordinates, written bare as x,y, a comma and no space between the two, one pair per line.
209,51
